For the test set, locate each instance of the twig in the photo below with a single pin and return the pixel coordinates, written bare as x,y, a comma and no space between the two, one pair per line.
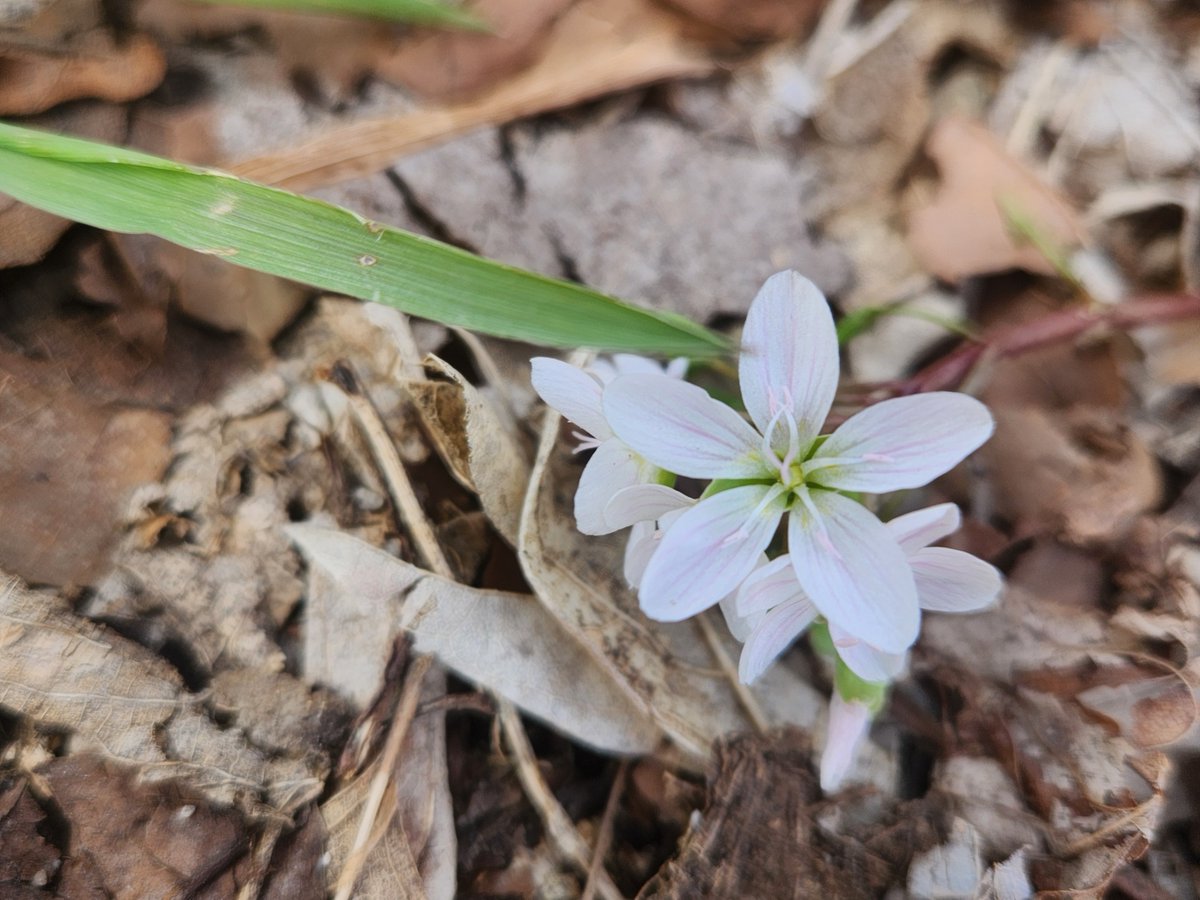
561,831
400,489
406,707
749,702
605,834
953,368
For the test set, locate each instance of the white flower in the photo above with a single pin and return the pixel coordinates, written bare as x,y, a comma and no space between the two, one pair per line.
845,560
947,581
576,394
848,724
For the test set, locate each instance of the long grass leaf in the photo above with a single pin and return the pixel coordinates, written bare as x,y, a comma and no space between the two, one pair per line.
326,246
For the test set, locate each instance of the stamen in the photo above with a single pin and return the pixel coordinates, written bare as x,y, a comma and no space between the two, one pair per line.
773,493
822,532
768,451
846,641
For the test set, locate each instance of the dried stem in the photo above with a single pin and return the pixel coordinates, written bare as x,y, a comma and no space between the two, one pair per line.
604,836
406,707
400,489
952,369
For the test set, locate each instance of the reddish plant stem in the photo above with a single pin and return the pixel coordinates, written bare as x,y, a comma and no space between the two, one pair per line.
952,369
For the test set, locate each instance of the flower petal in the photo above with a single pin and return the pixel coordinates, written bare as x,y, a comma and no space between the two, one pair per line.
922,527
864,660
642,503
848,724
612,468
572,392
768,586
902,443
772,636
680,428
954,581
643,541
853,570
741,627
708,550
789,354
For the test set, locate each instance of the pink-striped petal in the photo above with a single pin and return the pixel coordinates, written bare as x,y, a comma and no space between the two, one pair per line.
572,392
680,428
643,541
853,570
864,660
900,444
642,503
741,627
789,355
920,528
954,581
612,468
768,587
772,636
848,725
708,550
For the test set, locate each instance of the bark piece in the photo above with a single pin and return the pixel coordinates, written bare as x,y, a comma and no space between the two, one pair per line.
765,832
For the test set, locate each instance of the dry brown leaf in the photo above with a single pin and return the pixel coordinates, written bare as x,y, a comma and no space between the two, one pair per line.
360,596
1082,472
963,231
1093,794
35,77
137,839
67,469
668,667
26,858
597,47
444,64
755,19
117,698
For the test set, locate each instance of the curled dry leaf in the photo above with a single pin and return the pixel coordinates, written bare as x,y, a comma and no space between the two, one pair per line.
124,702
964,230
473,441
359,596
93,65
669,669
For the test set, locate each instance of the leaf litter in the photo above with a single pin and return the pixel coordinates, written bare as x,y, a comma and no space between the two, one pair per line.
205,692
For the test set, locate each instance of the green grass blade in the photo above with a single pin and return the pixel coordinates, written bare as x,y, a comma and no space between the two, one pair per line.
418,12
326,246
